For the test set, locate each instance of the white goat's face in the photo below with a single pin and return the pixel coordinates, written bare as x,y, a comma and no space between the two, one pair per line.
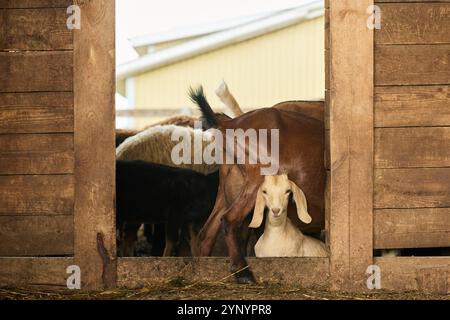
276,191
274,194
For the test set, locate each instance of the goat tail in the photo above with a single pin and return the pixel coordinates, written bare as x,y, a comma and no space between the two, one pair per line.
228,99
208,116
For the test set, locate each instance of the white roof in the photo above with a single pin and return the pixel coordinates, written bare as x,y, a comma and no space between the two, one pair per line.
194,31
241,32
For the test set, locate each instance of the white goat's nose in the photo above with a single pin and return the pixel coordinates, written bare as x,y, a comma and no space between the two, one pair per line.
276,210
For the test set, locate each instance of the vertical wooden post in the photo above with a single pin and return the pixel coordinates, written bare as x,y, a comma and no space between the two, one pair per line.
94,91
350,102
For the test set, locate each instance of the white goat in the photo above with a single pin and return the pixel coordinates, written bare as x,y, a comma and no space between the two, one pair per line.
155,145
281,238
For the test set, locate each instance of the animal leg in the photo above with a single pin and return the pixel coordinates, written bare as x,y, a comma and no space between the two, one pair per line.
157,237
129,237
171,239
208,234
232,222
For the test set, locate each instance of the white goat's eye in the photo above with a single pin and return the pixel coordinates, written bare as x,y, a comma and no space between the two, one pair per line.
264,191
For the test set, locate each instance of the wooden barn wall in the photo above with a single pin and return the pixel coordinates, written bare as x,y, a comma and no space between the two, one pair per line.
412,125
36,129
57,151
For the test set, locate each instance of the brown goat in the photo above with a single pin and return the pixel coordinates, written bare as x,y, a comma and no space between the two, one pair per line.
301,154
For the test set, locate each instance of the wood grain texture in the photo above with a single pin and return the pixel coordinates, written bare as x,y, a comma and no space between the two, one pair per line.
133,273
95,145
402,273
327,210
411,228
36,236
412,147
46,272
36,195
35,29
351,140
36,154
404,106
35,3
412,64
36,71
327,71
434,280
414,23
327,150
36,112
326,114
412,188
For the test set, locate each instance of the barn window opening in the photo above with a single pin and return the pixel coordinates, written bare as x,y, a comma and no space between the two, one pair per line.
245,60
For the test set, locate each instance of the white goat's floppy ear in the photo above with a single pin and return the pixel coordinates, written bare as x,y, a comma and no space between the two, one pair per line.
258,213
300,202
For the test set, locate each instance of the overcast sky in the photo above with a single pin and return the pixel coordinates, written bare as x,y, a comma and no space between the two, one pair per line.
139,17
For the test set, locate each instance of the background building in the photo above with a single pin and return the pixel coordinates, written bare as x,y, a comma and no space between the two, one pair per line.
265,59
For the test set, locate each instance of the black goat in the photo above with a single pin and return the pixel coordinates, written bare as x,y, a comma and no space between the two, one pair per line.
153,193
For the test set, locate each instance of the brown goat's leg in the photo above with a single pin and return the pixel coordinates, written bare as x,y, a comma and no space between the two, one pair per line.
232,222
208,234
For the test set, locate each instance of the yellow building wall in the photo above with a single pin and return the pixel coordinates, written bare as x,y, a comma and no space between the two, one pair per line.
284,65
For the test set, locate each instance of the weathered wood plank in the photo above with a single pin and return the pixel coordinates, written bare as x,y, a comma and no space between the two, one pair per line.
327,71
36,112
36,236
35,29
36,195
412,147
411,228
35,4
412,64
351,140
137,272
34,272
402,273
400,106
326,114
327,210
36,71
36,154
327,150
95,234
412,188
434,280
414,23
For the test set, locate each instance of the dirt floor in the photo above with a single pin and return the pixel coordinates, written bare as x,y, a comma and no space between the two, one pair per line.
178,290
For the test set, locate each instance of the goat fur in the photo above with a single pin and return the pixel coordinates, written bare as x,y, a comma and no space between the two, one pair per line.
155,145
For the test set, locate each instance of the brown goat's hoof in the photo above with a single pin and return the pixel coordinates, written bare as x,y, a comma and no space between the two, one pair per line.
245,277
245,280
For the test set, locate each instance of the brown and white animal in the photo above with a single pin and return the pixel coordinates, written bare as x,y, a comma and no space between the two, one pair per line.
178,120
156,145
281,238
301,153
